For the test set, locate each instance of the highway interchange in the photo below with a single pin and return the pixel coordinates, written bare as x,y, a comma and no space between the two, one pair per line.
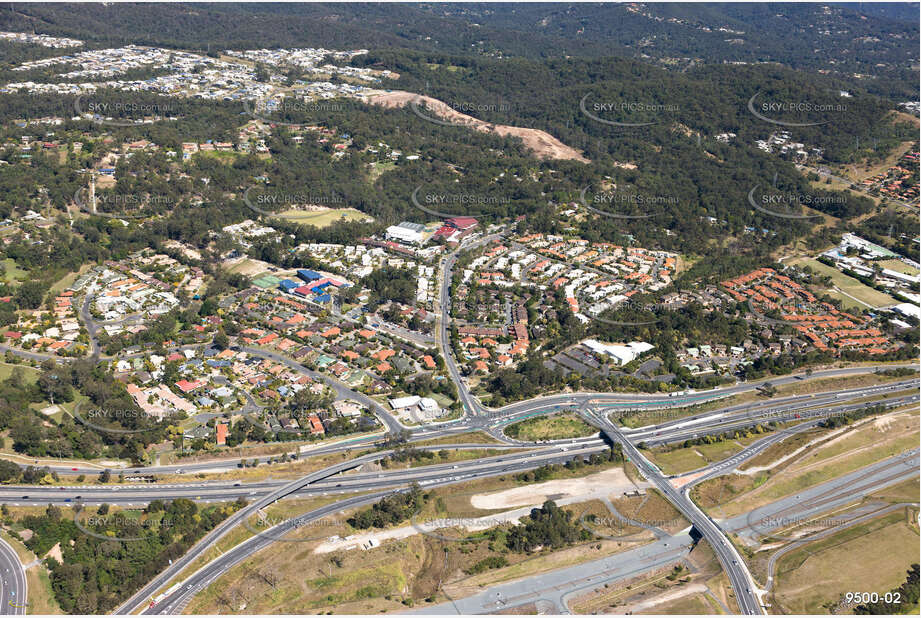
342,478
679,422
618,566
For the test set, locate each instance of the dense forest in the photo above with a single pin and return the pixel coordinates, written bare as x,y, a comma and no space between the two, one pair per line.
801,36
97,571
108,406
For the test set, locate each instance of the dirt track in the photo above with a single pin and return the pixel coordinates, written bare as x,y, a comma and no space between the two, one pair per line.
541,143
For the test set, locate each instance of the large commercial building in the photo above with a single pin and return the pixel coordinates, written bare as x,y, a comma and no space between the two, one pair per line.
407,233
620,354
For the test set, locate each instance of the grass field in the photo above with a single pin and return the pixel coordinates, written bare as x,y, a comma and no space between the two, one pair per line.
694,457
688,605
555,427
474,437
29,374
323,218
13,274
906,491
870,442
379,168
848,285
224,156
454,455
61,284
898,266
870,557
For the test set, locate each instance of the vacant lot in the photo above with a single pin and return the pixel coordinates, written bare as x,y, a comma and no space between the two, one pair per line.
556,427
693,457
865,295
12,273
898,266
541,143
400,573
871,557
474,437
323,218
856,448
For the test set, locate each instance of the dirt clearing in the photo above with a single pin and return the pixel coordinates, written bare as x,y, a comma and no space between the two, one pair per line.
541,143
613,481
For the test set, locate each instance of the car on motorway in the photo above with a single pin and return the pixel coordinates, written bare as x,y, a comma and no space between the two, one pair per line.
74,469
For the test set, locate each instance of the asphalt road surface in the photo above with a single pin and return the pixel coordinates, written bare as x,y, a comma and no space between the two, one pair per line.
14,592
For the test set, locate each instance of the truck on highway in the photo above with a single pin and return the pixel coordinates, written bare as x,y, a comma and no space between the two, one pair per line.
165,593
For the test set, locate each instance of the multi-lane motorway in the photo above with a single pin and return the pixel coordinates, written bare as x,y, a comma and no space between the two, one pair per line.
804,411
559,584
332,481
14,592
728,555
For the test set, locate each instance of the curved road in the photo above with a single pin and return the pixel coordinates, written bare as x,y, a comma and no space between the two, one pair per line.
14,591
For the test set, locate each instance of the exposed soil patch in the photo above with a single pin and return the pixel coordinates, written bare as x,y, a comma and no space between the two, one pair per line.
541,143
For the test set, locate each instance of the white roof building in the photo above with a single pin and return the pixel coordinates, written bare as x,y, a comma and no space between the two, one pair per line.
427,404
908,309
621,354
409,233
404,402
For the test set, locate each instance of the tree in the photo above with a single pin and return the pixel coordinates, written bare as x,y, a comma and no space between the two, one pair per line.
29,295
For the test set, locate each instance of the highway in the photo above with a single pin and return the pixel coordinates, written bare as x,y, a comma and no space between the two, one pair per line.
830,495
14,591
335,482
732,563
717,421
445,474
556,586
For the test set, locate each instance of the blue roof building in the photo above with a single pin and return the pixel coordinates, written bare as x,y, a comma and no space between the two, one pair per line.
287,285
308,275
